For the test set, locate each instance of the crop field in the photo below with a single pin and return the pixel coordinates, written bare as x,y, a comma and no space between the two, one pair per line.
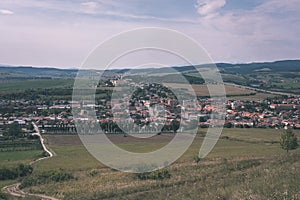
256,135
239,166
256,97
288,85
14,157
202,90
232,92
20,145
36,84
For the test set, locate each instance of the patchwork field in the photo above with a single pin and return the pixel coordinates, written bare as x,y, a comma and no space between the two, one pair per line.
202,90
36,84
232,92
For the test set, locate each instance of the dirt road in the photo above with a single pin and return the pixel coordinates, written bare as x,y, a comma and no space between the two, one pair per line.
15,190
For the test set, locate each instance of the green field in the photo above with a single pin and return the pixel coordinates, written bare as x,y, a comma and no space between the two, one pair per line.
288,85
241,142
12,159
15,157
36,84
244,163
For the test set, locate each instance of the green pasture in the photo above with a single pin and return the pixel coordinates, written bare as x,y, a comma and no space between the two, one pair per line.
36,84
236,143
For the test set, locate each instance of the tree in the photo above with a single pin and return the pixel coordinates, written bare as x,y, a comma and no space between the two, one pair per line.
13,130
175,125
31,127
196,159
228,125
288,140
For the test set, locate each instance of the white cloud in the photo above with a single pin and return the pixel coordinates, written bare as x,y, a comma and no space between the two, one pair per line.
111,3
269,31
6,12
89,7
209,7
279,6
90,4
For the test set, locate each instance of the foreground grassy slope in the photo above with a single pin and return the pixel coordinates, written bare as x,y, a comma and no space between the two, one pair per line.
246,163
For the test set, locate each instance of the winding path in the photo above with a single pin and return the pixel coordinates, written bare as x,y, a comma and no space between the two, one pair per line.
14,189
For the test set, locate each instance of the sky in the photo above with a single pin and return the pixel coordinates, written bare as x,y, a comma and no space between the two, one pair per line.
56,33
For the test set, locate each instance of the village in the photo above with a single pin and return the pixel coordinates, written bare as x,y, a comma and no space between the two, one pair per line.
151,103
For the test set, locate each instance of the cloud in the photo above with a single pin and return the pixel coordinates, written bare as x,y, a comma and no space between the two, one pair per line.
270,20
279,6
111,3
61,33
209,7
6,12
268,31
89,7
90,4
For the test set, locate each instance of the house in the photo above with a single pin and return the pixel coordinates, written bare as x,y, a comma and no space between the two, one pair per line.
297,126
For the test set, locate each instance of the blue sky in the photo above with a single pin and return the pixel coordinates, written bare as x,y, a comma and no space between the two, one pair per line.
62,33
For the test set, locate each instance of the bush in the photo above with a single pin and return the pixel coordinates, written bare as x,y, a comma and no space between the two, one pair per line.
155,175
3,196
46,177
93,172
225,137
45,154
8,174
24,170
289,141
196,159
20,171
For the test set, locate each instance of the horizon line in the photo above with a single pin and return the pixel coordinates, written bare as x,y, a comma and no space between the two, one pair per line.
78,68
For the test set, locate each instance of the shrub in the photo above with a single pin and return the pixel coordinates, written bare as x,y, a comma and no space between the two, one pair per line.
155,175
289,141
20,171
24,170
46,177
225,137
3,196
93,172
7,174
196,159
45,154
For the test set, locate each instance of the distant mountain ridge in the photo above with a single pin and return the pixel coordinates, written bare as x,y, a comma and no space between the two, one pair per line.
16,72
277,66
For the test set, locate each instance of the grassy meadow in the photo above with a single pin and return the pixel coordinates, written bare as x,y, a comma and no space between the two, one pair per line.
36,84
245,164
13,158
